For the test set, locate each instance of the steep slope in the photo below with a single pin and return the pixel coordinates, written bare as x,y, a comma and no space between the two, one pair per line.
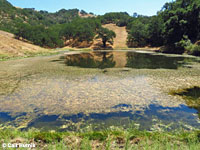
121,36
11,47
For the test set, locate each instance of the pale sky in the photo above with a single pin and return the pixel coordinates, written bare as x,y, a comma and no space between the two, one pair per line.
99,7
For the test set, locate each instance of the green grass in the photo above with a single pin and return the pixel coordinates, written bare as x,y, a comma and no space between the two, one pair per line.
108,139
27,55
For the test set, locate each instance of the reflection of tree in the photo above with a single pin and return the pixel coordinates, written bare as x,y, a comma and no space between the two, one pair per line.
91,60
107,60
149,61
82,60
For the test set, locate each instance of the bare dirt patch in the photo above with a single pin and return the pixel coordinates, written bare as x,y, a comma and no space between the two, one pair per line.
121,35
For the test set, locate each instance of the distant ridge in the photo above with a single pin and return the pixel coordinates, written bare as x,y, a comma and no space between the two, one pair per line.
11,16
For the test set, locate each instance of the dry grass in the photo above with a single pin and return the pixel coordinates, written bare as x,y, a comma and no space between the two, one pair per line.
85,15
121,36
11,47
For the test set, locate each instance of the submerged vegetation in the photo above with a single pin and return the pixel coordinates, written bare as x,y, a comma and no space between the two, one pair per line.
191,96
190,93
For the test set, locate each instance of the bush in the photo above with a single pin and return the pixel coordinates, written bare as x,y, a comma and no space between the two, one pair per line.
179,47
193,50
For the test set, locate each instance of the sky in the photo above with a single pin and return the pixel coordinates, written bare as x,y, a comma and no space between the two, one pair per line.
98,7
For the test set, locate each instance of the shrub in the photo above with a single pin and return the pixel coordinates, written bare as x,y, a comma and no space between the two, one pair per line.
193,50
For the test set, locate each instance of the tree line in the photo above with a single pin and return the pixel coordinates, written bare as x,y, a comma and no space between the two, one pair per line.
176,28
54,36
51,29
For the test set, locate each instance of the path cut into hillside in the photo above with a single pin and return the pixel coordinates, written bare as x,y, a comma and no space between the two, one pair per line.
121,35
11,47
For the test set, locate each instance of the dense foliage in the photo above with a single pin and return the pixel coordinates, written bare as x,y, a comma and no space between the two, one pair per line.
119,18
11,16
39,35
48,29
182,23
81,29
106,36
176,26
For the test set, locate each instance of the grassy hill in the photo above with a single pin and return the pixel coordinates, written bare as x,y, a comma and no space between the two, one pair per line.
11,16
11,47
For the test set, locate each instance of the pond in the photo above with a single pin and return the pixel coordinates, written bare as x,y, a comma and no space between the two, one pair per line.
75,91
122,59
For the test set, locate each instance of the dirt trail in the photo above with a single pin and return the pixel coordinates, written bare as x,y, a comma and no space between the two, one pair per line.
121,35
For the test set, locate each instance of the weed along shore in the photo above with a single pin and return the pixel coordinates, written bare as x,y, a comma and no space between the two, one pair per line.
112,139
101,99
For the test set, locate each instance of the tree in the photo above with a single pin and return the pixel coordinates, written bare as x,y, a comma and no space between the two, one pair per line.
155,31
106,35
181,18
138,34
81,29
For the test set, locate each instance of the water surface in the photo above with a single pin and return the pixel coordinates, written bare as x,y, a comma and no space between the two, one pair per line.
71,92
120,59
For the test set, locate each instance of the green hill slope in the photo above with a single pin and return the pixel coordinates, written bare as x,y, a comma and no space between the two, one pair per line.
11,16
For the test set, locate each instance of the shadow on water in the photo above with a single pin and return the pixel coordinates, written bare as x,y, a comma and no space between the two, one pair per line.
167,115
126,59
191,96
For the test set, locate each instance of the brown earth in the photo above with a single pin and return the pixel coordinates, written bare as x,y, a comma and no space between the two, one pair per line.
85,15
11,47
121,35
119,41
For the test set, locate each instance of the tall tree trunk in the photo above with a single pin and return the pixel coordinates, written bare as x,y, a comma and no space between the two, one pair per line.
104,43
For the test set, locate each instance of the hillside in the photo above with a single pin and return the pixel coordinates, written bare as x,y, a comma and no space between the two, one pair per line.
119,40
11,47
121,36
11,17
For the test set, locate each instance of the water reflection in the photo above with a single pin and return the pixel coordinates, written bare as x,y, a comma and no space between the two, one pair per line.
119,59
88,60
4,117
149,61
176,116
